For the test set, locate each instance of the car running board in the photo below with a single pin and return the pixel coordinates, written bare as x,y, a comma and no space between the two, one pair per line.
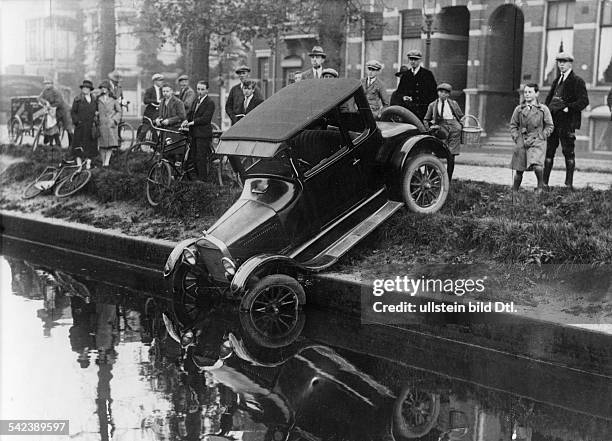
332,253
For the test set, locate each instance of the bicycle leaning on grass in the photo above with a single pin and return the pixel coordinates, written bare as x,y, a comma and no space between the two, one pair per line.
67,178
170,167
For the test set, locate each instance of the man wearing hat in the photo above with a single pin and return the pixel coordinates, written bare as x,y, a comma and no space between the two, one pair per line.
566,100
317,58
443,118
417,86
153,96
235,99
374,89
328,72
186,94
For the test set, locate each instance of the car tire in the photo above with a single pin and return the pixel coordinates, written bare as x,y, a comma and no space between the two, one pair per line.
271,309
424,183
401,114
415,413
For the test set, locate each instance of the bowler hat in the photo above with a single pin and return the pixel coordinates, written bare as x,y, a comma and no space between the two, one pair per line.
330,71
445,86
415,53
317,50
564,56
374,65
402,70
114,75
157,77
88,84
243,68
182,77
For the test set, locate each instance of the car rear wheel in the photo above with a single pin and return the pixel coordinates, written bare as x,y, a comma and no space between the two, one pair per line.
403,115
415,413
424,183
271,310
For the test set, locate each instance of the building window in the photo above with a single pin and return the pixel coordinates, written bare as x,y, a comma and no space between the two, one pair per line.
373,22
604,60
559,35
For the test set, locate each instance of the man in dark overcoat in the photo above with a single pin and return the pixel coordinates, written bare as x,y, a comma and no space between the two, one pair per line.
199,120
233,105
566,100
417,86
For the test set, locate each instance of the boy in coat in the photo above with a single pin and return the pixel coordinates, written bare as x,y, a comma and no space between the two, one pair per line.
375,90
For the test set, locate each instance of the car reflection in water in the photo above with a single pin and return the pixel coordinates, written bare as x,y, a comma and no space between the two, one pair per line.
329,377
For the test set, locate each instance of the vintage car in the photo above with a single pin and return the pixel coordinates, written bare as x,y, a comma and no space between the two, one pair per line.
319,175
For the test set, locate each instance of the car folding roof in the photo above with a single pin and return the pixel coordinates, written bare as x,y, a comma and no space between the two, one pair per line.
283,115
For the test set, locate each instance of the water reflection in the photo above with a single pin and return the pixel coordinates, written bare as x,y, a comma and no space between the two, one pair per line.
112,368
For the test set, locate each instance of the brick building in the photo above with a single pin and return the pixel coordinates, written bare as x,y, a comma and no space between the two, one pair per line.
485,49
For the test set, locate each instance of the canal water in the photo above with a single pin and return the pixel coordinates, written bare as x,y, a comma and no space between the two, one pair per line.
82,342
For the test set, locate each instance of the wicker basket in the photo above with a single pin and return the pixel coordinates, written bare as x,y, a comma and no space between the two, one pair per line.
470,132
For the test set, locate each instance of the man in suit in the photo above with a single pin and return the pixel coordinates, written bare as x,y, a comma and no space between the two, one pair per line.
186,94
443,118
171,109
566,100
417,86
199,120
233,105
153,96
115,91
250,99
317,58
375,90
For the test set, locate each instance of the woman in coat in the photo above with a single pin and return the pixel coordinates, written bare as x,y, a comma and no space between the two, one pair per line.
530,125
109,112
83,112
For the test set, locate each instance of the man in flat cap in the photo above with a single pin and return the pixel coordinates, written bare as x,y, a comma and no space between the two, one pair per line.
186,94
566,100
328,72
417,86
235,99
444,118
317,58
374,89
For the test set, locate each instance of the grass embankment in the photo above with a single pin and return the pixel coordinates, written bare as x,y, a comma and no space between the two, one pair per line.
480,224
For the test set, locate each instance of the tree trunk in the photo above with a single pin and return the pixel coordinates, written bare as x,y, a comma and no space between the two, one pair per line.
108,38
200,52
332,33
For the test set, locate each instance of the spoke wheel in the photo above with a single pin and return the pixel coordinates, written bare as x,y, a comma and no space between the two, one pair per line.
425,184
159,183
37,135
126,135
271,311
415,413
189,293
15,131
140,157
73,183
32,190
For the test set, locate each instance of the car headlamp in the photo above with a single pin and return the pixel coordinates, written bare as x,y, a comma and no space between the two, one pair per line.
229,265
190,256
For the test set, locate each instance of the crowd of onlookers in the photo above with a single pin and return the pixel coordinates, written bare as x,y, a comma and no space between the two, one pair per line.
536,128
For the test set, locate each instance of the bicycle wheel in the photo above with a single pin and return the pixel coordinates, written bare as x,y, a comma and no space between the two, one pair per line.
15,130
126,135
72,183
33,189
139,157
159,183
37,134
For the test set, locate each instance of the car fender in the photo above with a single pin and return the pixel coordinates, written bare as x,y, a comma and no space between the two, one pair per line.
175,255
412,146
255,265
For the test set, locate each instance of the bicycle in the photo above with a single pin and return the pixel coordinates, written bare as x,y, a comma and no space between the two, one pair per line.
67,178
166,171
125,130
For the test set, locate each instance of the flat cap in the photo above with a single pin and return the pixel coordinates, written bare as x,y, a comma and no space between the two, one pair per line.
157,76
415,53
47,81
330,71
243,68
374,65
114,75
317,50
445,86
402,70
564,56
183,77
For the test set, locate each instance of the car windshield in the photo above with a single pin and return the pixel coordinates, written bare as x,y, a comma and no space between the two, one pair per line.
278,165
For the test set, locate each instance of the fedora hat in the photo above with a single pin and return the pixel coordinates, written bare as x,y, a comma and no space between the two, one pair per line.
88,84
402,70
317,50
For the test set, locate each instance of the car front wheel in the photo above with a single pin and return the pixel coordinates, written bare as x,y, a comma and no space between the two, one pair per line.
415,413
189,292
424,183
